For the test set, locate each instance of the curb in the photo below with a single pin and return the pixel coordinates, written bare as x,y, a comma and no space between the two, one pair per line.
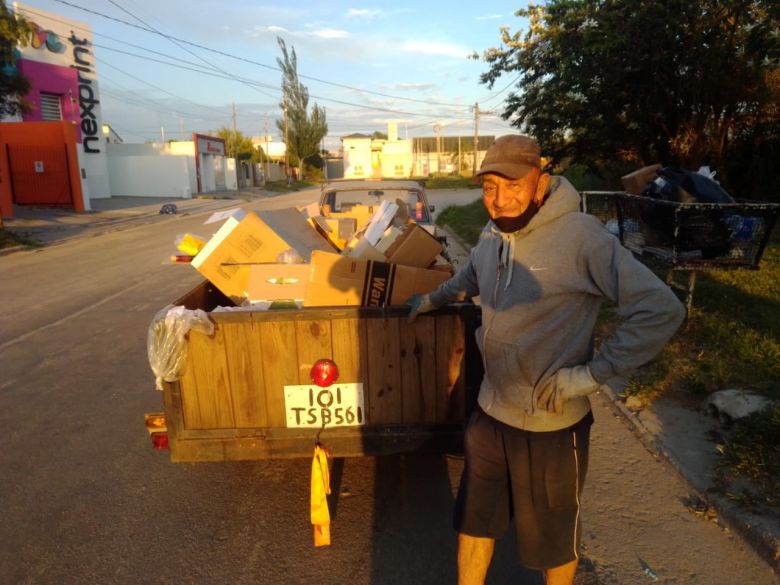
99,228
763,543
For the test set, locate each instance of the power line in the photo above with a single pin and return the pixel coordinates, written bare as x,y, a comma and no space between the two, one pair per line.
244,59
220,76
195,68
157,87
494,96
181,46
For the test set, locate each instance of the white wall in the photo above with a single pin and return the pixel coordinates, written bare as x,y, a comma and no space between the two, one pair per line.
152,176
231,179
357,158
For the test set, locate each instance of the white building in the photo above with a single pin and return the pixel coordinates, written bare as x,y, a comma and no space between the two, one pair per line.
60,63
175,169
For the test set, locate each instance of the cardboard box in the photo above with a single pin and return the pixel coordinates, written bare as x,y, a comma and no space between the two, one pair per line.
380,221
290,225
277,282
337,280
338,230
391,235
414,247
634,183
360,249
245,239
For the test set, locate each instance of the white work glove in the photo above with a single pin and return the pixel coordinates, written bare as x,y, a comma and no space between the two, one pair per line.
565,384
419,304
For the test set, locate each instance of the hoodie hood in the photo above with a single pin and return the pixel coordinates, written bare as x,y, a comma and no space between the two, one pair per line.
560,198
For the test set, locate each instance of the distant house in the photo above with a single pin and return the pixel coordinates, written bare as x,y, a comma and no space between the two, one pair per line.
357,156
366,157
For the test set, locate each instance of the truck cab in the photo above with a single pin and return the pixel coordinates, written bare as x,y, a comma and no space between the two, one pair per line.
362,198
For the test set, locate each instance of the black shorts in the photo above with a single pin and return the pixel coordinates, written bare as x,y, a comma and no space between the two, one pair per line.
534,477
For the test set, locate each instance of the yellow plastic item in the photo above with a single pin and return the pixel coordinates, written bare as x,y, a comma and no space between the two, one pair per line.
190,244
320,488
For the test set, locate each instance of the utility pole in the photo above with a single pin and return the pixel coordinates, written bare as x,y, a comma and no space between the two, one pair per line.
265,133
437,129
162,135
460,159
476,138
232,143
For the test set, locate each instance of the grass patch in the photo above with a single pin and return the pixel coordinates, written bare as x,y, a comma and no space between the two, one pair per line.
730,340
447,182
752,452
10,239
283,187
467,221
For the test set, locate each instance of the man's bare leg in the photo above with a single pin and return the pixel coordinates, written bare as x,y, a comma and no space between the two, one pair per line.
474,554
562,575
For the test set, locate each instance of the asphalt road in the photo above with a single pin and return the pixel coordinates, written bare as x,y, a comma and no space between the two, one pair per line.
86,499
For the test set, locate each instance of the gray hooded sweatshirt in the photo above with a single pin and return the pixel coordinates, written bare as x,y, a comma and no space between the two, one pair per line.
540,291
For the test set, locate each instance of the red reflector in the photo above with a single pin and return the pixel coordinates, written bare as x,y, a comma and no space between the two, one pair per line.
418,211
160,441
324,373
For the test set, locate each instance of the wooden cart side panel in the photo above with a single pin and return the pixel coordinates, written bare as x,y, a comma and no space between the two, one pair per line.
280,367
383,346
206,395
313,342
418,374
450,349
348,337
245,371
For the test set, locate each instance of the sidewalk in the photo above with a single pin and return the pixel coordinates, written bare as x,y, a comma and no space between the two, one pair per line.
686,439
52,225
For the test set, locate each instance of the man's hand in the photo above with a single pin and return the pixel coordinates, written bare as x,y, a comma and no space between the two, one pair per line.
419,304
565,384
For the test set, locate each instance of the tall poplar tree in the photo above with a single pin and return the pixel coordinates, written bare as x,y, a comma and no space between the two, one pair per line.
303,131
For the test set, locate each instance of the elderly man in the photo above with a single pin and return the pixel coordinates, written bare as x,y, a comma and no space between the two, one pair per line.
542,270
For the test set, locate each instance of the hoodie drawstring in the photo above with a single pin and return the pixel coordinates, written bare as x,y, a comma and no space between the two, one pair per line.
507,256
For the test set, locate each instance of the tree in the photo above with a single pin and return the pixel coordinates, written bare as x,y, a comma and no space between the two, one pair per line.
237,145
676,82
14,31
377,135
303,131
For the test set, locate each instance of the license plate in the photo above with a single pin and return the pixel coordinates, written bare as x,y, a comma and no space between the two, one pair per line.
340,405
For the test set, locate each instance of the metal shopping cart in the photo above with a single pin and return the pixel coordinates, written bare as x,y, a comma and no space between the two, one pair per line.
685,237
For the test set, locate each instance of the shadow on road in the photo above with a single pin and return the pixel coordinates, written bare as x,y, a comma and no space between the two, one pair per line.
414,541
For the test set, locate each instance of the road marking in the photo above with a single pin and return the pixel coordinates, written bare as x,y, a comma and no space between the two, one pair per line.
72,315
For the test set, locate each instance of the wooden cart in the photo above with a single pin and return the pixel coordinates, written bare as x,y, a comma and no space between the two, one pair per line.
417,381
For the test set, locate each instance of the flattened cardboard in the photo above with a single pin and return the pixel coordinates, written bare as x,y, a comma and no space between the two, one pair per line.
337,280
360,249
414,247
290,225
246,239
634,183
277,282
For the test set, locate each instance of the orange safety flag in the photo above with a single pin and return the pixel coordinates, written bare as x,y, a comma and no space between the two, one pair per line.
320,488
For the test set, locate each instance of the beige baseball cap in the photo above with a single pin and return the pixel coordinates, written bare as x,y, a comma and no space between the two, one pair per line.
512,156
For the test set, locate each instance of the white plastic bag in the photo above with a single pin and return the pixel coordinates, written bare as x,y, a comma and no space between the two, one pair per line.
166,344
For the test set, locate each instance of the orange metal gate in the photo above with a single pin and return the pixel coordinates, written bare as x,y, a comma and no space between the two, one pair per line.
39,174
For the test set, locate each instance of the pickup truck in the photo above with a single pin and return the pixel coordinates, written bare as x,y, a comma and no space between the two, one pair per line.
360,198
360,380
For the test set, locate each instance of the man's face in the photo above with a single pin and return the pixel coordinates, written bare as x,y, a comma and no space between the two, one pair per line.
508,197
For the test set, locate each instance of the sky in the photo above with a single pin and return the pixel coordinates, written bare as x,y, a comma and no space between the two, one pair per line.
367,64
